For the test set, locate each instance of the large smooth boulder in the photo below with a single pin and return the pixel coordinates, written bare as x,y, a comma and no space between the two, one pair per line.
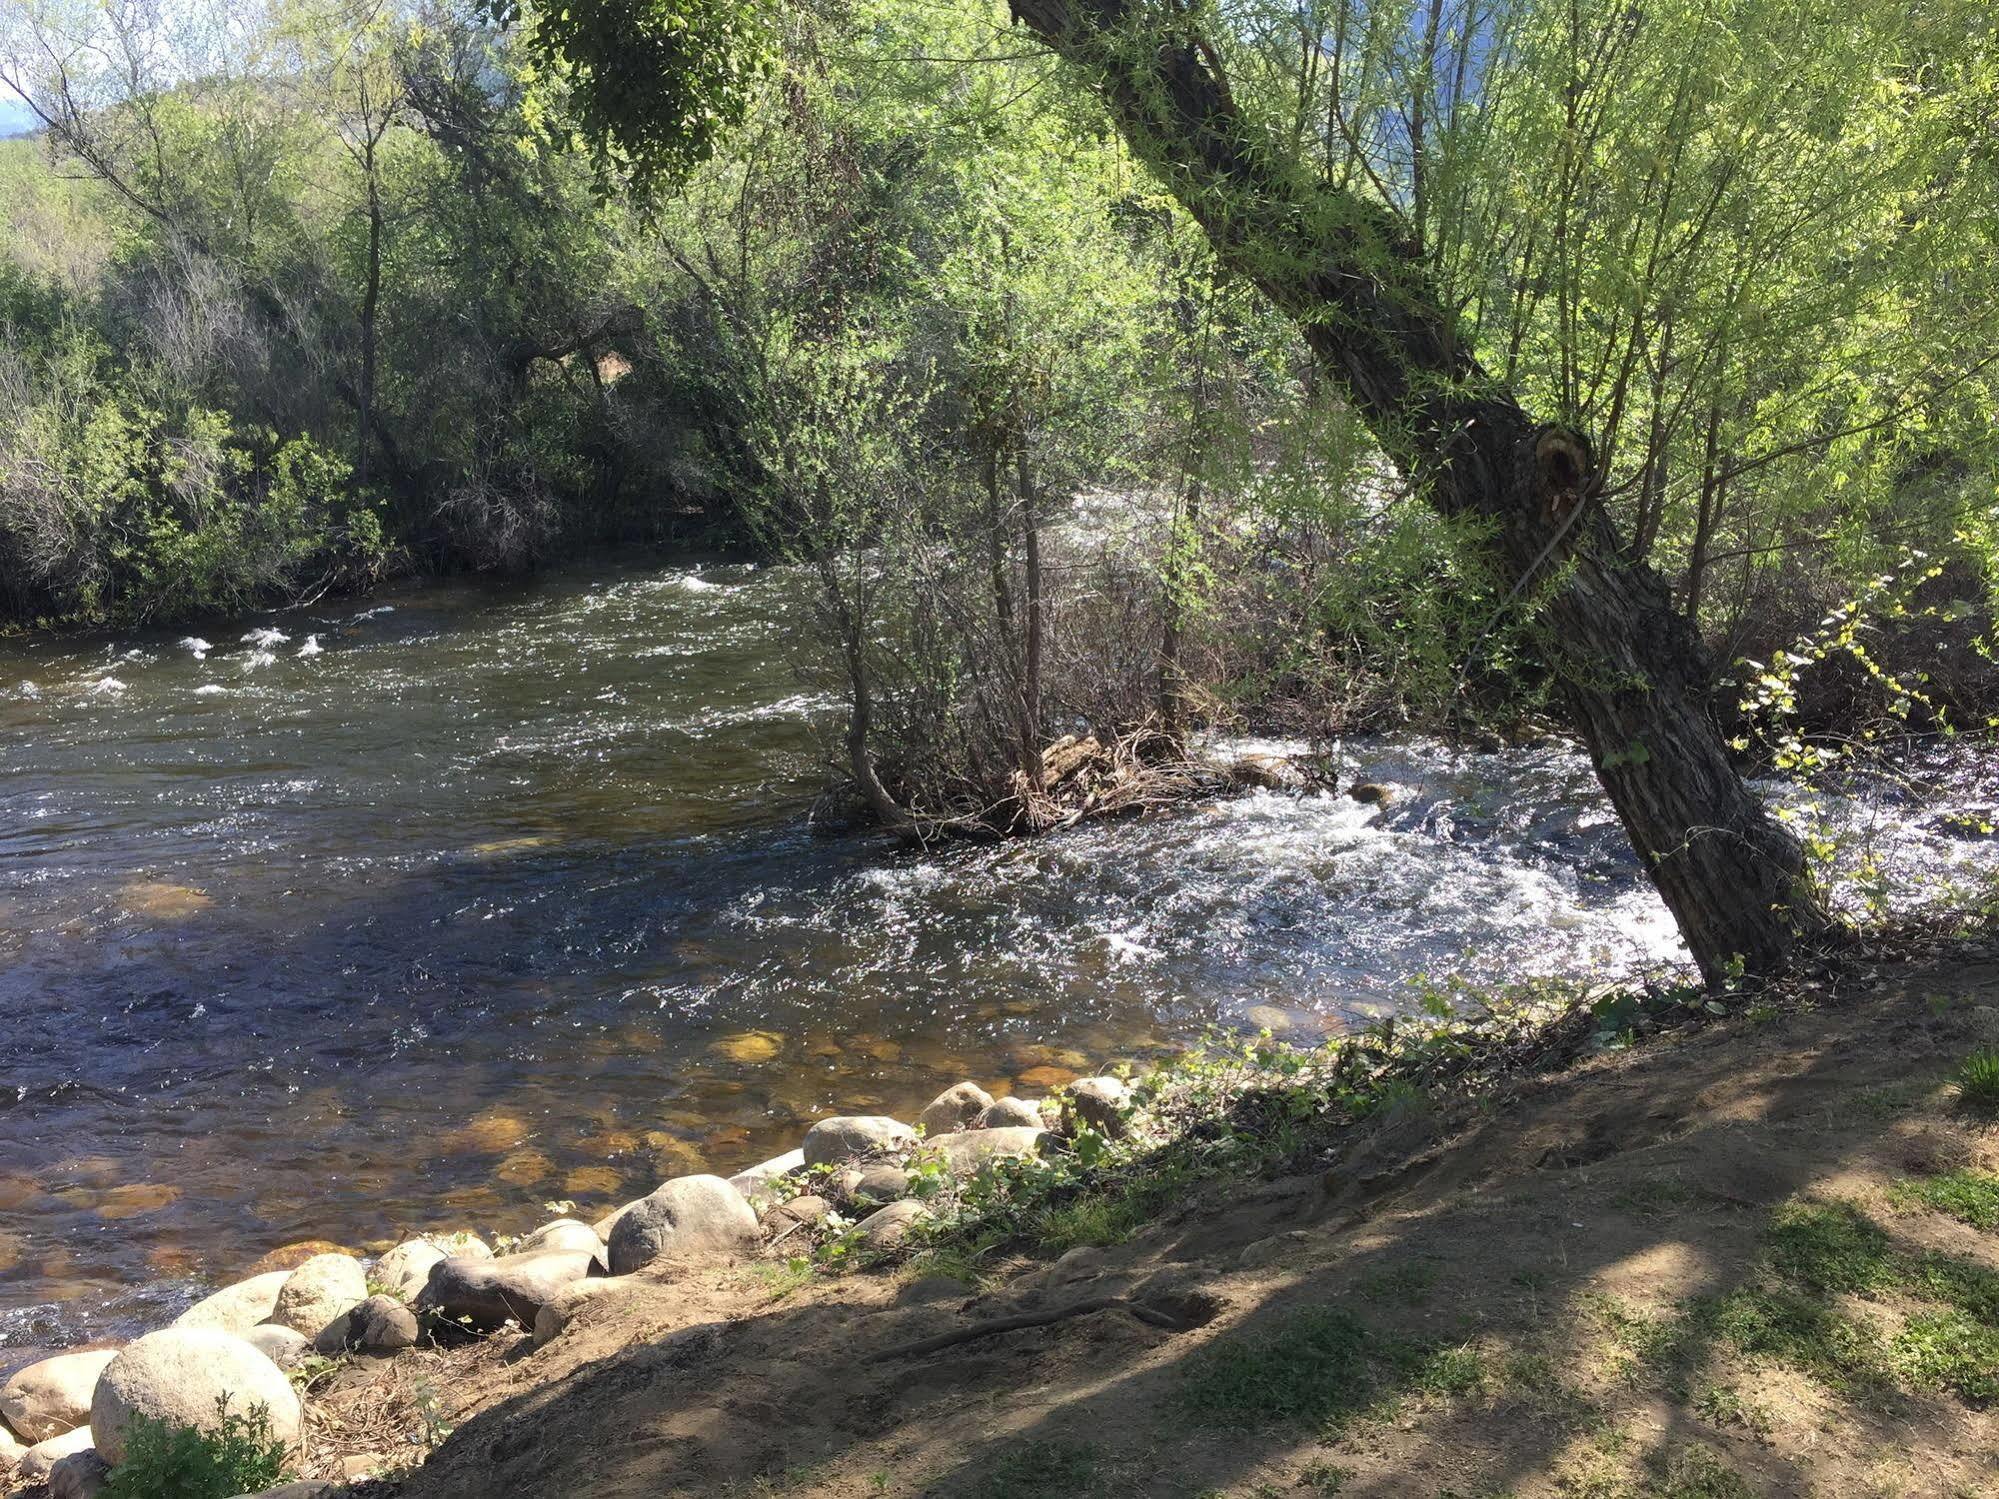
381,1324
511,1287
238,1308
855,1138
403,1271
283,1346
880,1183
180,1377
319,1293
40,1460
1098,1102
49,1398
890,1226
689,1218
760,1184
957,1107
563,1233
1009,1113
11,1448
966,1151
555,1315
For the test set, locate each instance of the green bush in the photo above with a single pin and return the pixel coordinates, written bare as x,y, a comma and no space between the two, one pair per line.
1978,1081
239,1456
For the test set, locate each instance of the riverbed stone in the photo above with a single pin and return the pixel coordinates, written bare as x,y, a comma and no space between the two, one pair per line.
956,1108
763,1183
806,1210
81,1475
179,1377
403,1271
284,1346
291,1256
881,1183
855,1138
485,1293
891,1225
238,1308
51,1397
11,1449
967,1150
320,1292
688,1218
39,1460
556,1313
1372,793
1098,1102
1009,1113
563,1233
381,1324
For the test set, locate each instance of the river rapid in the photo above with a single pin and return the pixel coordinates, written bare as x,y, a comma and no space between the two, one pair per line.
438,907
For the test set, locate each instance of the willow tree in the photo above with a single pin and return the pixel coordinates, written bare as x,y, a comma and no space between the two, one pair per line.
1323,148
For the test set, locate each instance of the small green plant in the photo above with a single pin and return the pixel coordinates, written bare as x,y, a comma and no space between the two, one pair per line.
1971,1197
239,1455
1978,1081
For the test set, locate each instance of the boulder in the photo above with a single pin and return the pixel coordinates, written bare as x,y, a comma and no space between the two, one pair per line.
403,1270
808,1209
381,1324
283,1346
238,1308
39,1460
49,1398
1372,793
957,1107
689,1218
563,1233
320,1292
1100,1103
1267,773
1007,1113
856,1138
890,1226
555,1314
760,1184
305,1488
881,1183
485,1293
609,1221
181,1377
967,1150
291,1256
11,1450
81,1475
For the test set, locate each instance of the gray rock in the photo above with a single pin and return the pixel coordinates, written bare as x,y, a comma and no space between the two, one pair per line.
39,1460
807,1210
403,1270
890,1226
51,1397
11,1449
556,1315
305,1488
761,1185
513,1287
1009,1113
609,1221
81,1475
179,1376
1099,1102
689,1218
284,1346
563,1233
881,1183
957,1107
856,1138
238,1308
967,1150
381,1324
320,1292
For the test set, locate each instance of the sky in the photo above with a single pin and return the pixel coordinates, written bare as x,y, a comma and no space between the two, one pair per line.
14,115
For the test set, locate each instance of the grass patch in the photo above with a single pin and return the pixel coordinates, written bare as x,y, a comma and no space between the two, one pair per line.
1405,1284
1718,1405
1948,1350
1978,1081
1696,1473
1799,1330
1036,1469
1322,1370
1970,1197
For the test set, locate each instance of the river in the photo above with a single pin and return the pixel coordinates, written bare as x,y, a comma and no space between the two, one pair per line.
439,907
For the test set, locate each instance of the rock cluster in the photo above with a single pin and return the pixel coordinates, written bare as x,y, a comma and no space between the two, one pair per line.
64,1421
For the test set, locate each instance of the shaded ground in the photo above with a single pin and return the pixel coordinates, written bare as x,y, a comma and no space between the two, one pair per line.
1762,1259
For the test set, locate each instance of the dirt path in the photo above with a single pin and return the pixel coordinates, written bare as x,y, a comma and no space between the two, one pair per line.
1748,1261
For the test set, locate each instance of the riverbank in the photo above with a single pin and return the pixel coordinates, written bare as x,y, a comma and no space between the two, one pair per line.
1752,1255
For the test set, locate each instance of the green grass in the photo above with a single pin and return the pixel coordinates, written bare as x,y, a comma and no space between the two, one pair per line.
1978,1081
1799,1330
1035,1470
1407,1284
1969,1196
1322,1370
1696,1473
1951,1351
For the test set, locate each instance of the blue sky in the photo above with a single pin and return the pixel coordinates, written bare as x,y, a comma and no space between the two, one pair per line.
14,115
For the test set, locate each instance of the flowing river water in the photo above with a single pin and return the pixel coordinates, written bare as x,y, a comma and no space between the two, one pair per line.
436,908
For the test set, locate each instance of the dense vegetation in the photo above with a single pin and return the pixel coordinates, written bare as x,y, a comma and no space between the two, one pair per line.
1108,368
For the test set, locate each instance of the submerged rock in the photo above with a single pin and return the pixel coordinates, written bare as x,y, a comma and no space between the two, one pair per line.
689,1218
291,1256
748,1047
957,1107
51,1397
855,1138
1372,793
513,1287
180,1377
320,1292
238,1308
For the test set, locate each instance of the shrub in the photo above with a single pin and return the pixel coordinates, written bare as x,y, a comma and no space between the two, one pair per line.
1978,1081
239,1456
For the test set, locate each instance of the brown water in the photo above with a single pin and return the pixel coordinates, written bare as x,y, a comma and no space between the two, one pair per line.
465,900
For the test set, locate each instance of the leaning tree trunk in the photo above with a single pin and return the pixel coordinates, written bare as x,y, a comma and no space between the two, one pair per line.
1632,670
